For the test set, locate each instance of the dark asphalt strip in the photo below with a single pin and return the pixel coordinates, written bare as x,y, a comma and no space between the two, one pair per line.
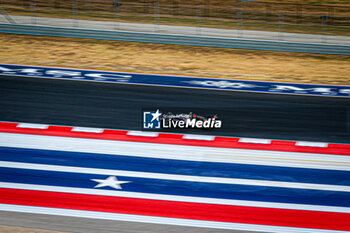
120,106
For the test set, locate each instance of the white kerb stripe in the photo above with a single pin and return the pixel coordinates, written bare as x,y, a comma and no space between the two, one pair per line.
32,126
177,152
198,137
163,176
179,198
142,134
312,144
159,220
255,140
87,130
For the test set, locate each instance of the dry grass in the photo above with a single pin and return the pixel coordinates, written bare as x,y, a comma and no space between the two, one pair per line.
171,59
337,2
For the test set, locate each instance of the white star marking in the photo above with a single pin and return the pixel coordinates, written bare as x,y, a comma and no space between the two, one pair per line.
111,181
156,115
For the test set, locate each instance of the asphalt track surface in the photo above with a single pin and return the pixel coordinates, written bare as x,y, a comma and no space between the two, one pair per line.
107,105
120,106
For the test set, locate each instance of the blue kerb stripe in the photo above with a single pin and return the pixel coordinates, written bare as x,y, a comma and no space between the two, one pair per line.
183,188
170,166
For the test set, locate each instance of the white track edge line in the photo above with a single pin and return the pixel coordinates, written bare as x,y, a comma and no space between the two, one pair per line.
175,177
177,152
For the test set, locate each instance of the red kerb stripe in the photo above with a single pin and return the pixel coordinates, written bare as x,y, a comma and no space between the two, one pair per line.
173,209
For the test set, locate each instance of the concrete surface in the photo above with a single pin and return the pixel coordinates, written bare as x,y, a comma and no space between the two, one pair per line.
183,30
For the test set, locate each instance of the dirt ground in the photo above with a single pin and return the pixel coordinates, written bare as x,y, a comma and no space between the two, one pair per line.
173,59
11,229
